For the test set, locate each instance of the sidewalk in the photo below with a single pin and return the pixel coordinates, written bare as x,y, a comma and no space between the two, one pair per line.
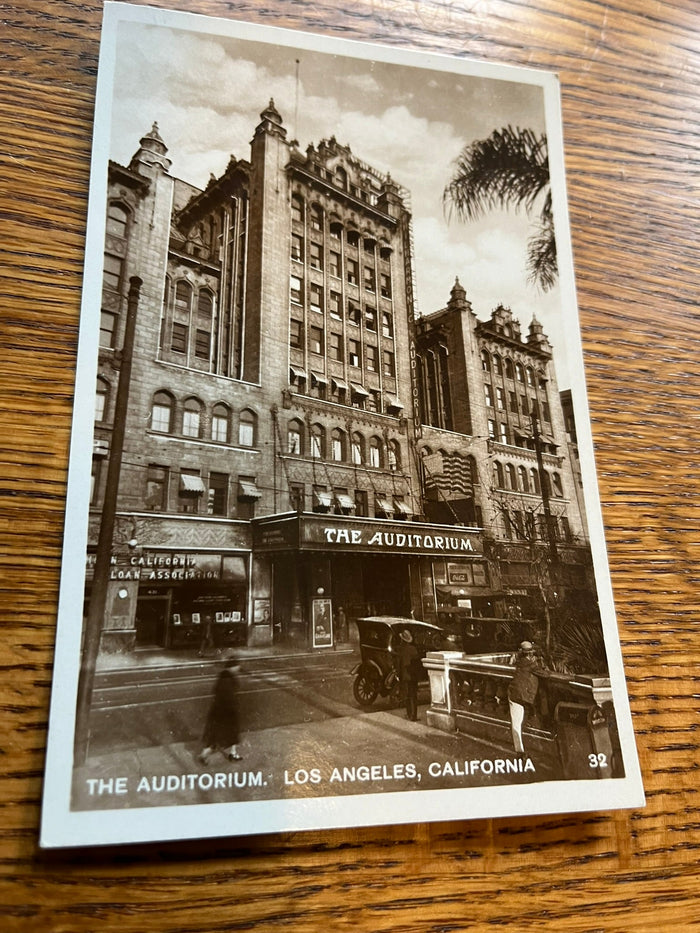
359,754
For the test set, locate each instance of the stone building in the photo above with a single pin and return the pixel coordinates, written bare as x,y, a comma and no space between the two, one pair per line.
269,486
495,452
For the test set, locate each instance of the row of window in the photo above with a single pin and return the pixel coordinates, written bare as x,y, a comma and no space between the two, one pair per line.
526,526
339,350
516,437
526,375
520,479
339,446
527,405
332,260
353,238
353,313
193,419
340,500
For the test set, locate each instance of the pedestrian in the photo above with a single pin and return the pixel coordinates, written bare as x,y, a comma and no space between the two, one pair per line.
221,732
409,672
522,691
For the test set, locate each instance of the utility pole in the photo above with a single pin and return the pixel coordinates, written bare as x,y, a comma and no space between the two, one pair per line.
544,486
103,557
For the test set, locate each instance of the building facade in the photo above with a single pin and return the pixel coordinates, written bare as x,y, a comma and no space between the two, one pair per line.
268,484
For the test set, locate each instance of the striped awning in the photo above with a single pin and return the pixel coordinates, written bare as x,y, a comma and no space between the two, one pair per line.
318,379
382,504
248,491
402,507
345,502
322,499
359,390
393,404
297,374
339,385
191,485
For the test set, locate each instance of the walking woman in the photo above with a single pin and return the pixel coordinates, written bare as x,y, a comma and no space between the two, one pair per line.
221,732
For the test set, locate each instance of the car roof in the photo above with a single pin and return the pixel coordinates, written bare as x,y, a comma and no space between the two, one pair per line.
399,621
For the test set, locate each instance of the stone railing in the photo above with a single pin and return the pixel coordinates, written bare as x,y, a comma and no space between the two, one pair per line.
571,730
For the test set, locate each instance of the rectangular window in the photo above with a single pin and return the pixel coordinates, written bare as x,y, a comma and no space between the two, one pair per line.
296,288
372,359
246,501
513,402
179,338
500,399
316,339
297,247
524,408
202,344
371,319
188,500
503,433
388,363
374,400
95,480
354,352
296,497
353,314
387,325
488,392
112,271
296,334
334,263
492,429
352,271
545,411
336,346
108,323
316,297
334,305
361,503
157,488
316,255
385,285
369,278
217,494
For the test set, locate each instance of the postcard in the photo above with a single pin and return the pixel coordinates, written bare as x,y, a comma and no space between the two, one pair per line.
334,553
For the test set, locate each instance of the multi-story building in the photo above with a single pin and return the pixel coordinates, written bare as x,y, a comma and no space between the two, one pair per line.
269,486
495,451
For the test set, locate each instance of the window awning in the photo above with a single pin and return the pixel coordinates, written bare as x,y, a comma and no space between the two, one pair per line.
345,502
297,374
359,390
318,379
322,499
402,507
383,505
191,485
394,403
247,491
339,385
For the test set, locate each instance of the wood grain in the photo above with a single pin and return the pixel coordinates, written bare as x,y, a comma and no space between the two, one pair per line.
629,78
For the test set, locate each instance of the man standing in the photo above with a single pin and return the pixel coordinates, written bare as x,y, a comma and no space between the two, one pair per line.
409,671
522,691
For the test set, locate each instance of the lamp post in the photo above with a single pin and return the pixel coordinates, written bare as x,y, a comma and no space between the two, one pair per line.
100,582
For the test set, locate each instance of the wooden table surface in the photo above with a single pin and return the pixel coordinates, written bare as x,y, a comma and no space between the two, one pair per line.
630,75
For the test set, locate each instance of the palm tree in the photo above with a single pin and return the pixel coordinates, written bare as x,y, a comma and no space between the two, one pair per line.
510,167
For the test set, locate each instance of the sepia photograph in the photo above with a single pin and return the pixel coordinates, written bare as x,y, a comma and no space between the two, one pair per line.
334,553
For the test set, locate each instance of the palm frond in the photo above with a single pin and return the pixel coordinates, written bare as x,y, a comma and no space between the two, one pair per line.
542,256
510,167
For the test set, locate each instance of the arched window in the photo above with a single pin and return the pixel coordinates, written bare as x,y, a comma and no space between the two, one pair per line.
530,377
101,399
385,253
353,238
337,444
192,418
340,177
247,422
498,475
357,446
162,412
393,455
510,476
205,312
183,297
220,423
318,441
336,230
497,365
117,220
557,488
375,452
535,480
485,361
519,373
523,483
509,368
295,437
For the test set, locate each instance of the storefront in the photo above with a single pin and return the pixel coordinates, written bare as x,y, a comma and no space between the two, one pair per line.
166,598
328,570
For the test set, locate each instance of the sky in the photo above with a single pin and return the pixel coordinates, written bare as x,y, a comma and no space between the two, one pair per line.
206,93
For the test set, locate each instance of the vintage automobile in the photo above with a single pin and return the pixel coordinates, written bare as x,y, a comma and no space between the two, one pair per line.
376,674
